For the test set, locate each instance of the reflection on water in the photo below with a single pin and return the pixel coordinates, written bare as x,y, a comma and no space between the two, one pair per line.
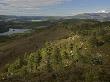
12,31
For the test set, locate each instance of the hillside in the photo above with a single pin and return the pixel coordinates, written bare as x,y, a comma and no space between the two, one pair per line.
20,46
69,51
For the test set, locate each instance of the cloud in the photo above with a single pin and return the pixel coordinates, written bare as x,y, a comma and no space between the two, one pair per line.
26,5
102,11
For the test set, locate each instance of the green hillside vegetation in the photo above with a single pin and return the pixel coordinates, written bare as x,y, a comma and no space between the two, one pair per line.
12,47
29,24
74,51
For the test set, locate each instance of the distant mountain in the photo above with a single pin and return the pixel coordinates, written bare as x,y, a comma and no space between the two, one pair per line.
97,16
21,18
28,18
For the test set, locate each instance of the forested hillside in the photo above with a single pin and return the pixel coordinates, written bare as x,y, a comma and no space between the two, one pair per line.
68,51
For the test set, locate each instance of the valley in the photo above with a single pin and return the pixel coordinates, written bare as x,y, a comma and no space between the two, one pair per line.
67,50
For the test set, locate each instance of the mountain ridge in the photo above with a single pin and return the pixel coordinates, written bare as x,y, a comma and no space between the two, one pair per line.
97,16
101,16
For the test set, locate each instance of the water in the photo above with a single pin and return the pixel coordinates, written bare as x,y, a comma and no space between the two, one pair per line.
13,31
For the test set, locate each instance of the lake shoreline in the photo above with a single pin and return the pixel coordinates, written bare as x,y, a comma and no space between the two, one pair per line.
14,31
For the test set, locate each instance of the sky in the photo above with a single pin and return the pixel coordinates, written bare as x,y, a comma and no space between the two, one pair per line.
52,7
